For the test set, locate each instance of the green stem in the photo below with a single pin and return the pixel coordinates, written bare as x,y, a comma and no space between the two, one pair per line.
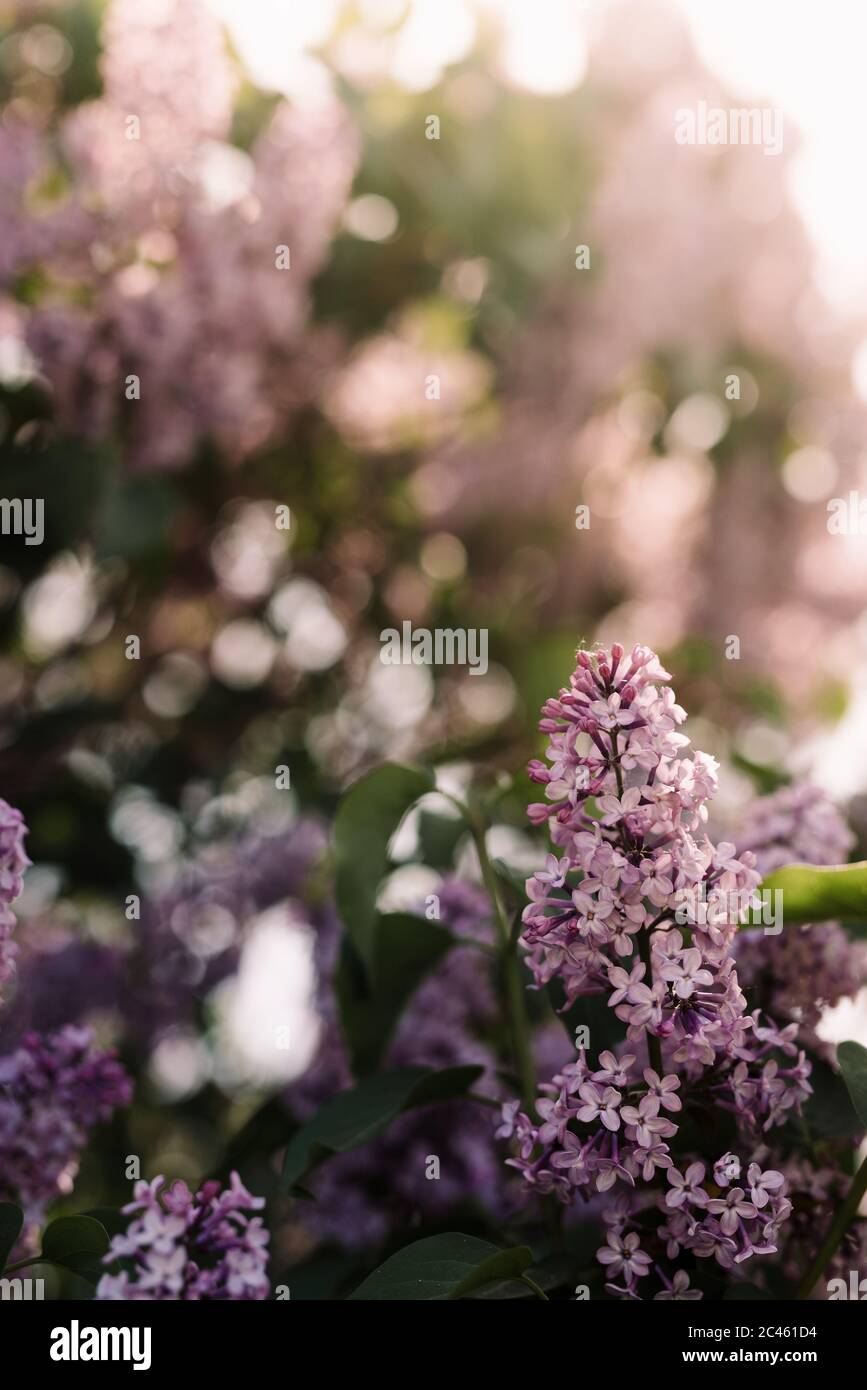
531,1284
511,965
654,1047
843,1219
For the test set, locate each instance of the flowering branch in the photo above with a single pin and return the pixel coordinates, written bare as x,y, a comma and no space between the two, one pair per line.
626,809
510,960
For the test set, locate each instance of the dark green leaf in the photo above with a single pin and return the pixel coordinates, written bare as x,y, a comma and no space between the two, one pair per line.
111,1218
357,1116
11,1221
324,1275
438,838
590,1011
550,1273
405,948
443,1267
366,819
266,1130
77,1243
828,1114
853,1064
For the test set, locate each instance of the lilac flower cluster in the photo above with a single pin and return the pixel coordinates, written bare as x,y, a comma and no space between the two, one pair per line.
189,938
819,964
627,809
53,1090
717,1216
191,935
643,862
797,976
13,862
163,246
797,824
185,1248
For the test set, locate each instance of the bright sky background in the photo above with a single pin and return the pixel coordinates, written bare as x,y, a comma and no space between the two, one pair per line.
808,59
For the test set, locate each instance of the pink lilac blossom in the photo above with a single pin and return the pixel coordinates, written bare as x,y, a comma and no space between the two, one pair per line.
13,862
816,964
596,373
53,1090
627,809
185,1248
163,251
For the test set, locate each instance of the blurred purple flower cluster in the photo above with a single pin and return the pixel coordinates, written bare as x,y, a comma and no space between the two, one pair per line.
53,1090
13,862
188,939
54,1087
820,965
161,243
185,1248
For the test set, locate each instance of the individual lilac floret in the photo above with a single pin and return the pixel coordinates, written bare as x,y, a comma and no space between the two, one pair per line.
185,1248
53,1090
13,862
819,964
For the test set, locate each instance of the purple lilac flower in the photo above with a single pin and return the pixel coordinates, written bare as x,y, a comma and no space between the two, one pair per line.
185,1248
13,862
627,809
164,246
53,1090
189,938
61,980
818,964
797,824
190,935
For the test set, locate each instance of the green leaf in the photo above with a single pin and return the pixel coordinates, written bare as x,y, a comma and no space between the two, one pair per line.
828,1114
438,838
11,1222
359,1115
366,819
77,1243
405,949
853,1064
266,1130
111,1219
818,894
135,518
590,1011
443,1267
514,880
